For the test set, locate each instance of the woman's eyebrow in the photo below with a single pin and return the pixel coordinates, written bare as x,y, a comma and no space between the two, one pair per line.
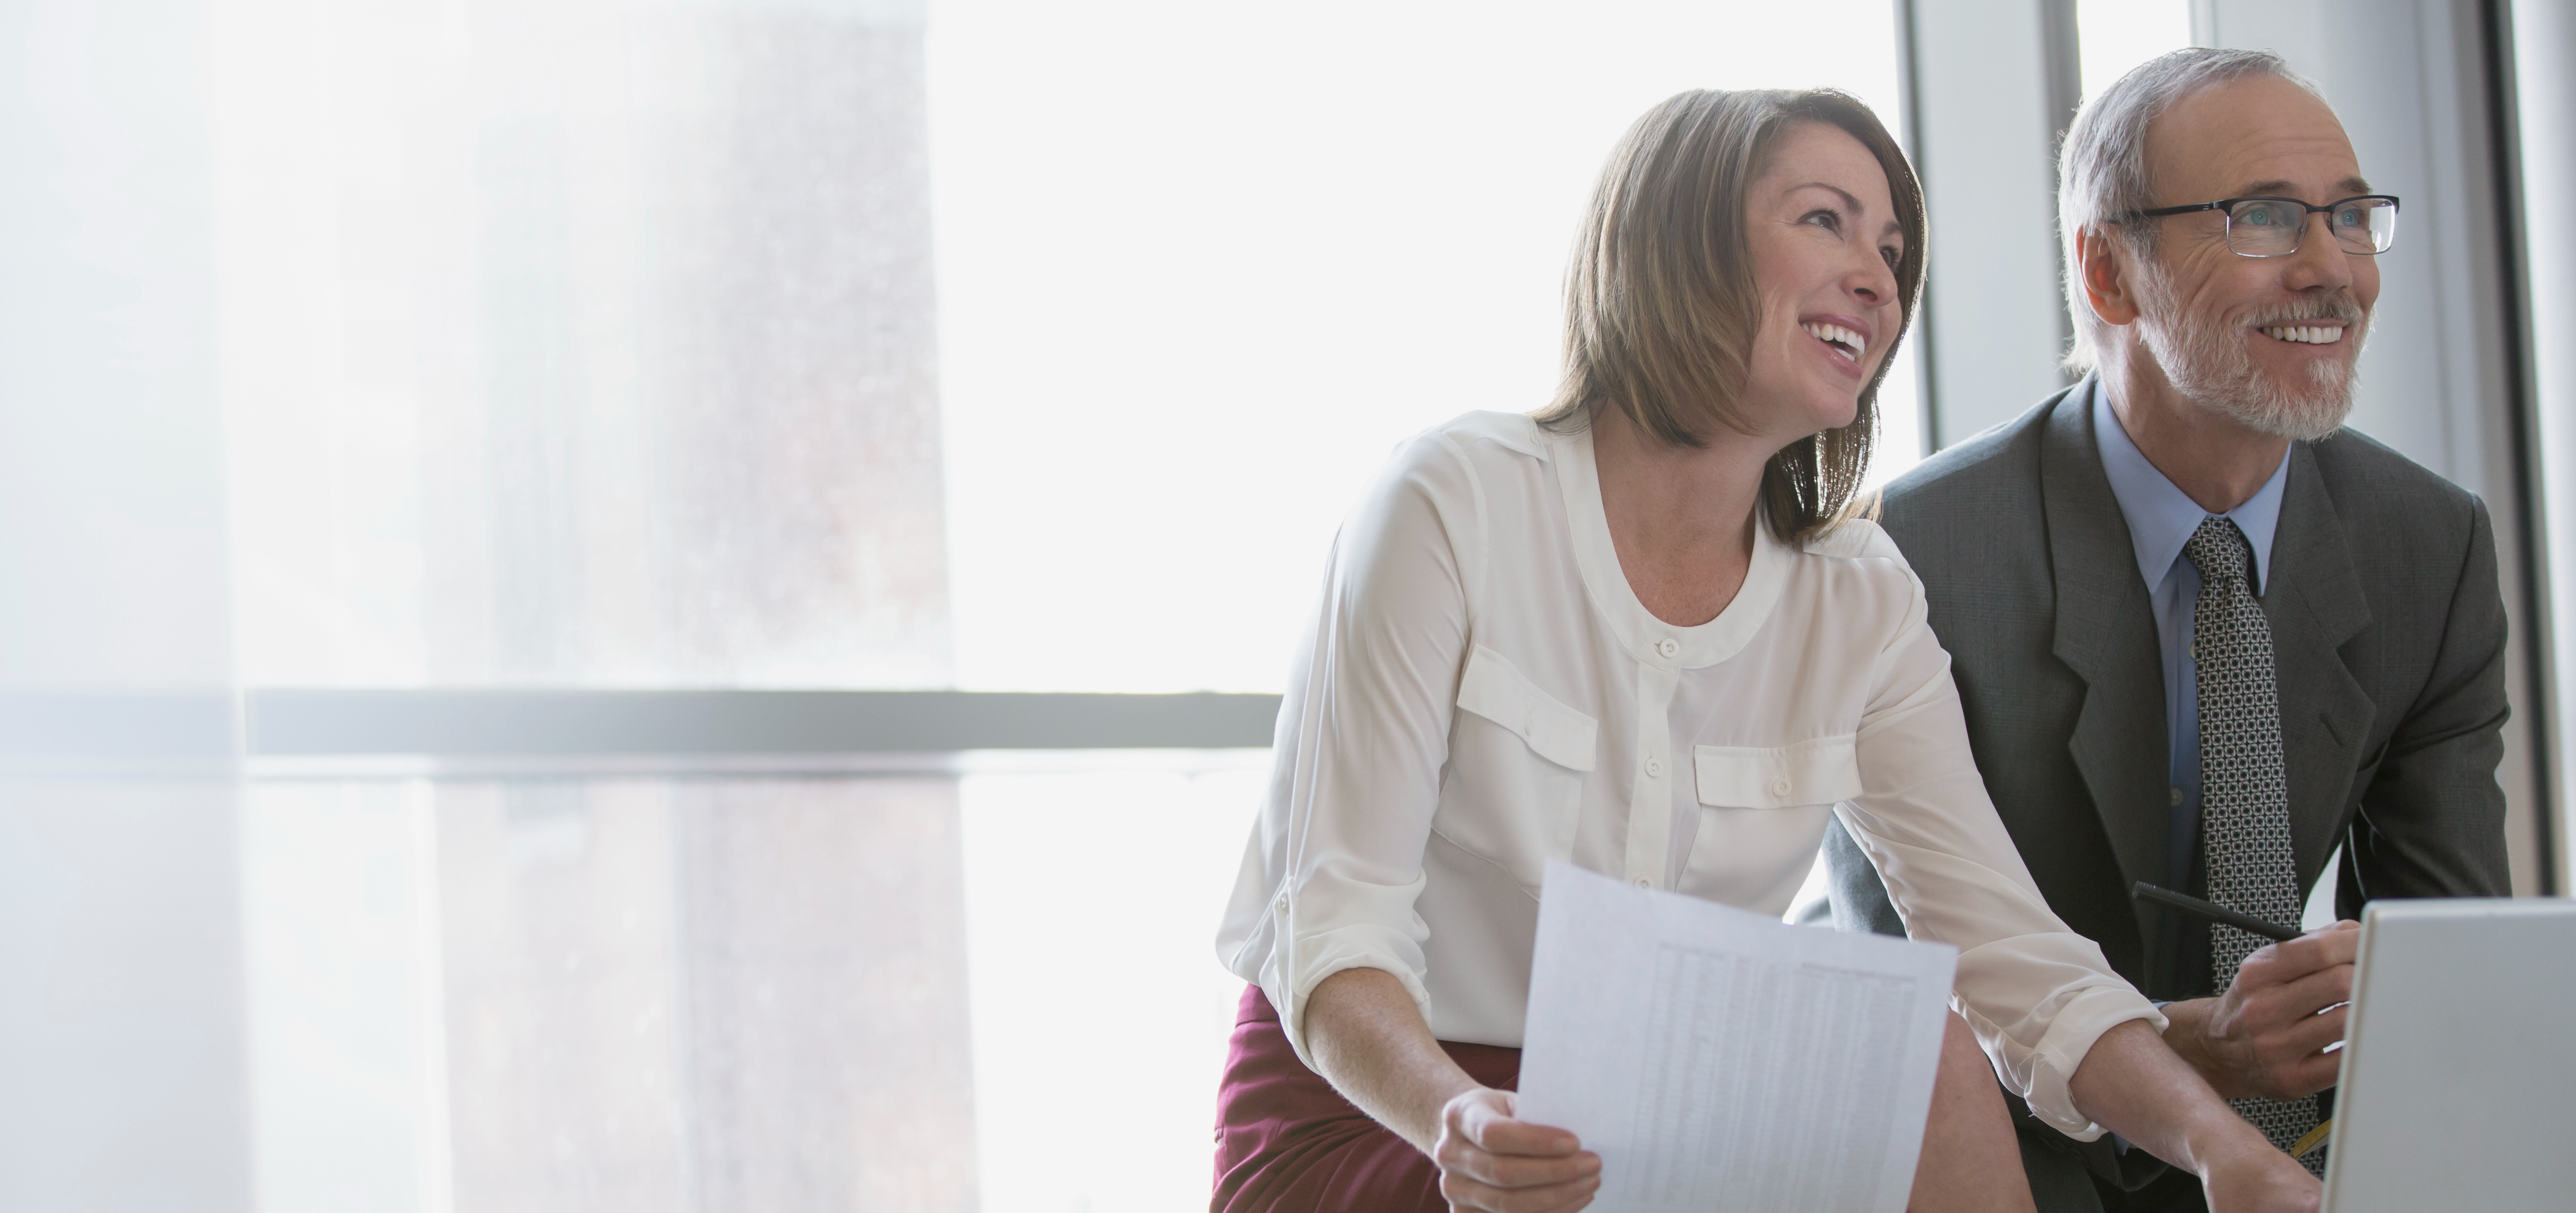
1837,191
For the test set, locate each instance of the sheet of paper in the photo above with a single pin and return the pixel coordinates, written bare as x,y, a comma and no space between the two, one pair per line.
1721,1060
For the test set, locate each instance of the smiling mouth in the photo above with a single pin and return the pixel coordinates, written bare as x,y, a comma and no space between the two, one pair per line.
1852,345
2304,334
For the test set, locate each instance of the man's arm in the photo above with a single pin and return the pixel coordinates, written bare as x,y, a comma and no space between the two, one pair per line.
2431,825
2432,819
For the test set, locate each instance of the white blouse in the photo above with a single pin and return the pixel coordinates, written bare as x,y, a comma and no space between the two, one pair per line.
1481,692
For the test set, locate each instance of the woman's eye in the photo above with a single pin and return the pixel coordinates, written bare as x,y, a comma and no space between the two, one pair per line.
1889,253
1827,220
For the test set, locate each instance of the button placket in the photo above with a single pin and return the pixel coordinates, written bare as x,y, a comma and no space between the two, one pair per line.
1650,803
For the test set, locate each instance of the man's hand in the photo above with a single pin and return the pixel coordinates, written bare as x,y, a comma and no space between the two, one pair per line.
1488,1160
2266,1036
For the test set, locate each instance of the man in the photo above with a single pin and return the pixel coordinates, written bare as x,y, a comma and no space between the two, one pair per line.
2204,636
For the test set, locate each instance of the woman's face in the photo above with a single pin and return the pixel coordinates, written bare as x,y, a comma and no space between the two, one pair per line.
1822,228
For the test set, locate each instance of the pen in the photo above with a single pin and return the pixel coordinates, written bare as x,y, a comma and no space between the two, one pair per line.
2212,911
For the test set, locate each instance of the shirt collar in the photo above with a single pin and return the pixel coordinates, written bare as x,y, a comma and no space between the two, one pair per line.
2161,517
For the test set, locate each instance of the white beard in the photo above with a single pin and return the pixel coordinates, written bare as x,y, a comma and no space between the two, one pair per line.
2206,360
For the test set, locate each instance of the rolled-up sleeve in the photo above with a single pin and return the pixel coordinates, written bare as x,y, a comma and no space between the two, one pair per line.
2036,993
1333,870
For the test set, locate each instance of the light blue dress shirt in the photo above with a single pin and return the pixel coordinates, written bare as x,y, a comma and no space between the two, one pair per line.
2161,520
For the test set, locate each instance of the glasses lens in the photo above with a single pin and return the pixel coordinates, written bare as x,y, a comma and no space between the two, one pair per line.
2366,225
2265,227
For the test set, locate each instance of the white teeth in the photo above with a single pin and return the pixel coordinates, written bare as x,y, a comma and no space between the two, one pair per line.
1858,344
2306,334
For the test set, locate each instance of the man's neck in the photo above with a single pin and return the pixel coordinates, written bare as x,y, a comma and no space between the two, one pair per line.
2214,459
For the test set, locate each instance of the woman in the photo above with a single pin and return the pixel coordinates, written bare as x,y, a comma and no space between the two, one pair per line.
1642,631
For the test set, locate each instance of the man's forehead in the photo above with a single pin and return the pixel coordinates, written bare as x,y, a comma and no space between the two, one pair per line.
2256,136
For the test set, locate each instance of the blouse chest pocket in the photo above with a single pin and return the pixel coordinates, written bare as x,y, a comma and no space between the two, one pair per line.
1762,810
1517,758
1825,771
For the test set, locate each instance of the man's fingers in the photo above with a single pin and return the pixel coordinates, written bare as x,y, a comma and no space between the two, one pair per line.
2317,1073
2318,949
2271,1009
2314,1033
1465,1193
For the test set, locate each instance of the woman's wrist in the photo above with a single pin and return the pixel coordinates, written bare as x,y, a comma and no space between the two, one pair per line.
1368,1040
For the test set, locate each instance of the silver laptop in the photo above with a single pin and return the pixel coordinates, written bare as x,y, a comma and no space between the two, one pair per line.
2458,1086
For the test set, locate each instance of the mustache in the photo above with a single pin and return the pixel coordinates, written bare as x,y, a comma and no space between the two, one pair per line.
2307,311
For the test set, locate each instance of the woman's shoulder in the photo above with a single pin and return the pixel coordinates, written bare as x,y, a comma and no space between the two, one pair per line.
1472,453
1477,441
1854,539
1513,433
1856,560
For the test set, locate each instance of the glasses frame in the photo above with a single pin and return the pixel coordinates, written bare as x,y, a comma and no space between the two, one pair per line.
2225,207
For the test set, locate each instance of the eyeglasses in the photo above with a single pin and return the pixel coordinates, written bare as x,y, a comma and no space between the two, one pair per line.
2271,227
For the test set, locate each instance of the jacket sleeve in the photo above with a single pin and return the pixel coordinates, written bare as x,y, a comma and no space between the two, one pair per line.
2431,822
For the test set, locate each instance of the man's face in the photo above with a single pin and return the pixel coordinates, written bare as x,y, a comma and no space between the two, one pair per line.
2269,341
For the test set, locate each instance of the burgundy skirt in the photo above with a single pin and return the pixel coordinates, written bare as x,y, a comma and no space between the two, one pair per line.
1286,1142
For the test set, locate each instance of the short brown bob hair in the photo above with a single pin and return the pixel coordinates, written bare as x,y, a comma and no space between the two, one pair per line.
1661,309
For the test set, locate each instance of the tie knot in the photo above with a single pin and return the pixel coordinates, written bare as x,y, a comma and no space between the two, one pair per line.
2218,550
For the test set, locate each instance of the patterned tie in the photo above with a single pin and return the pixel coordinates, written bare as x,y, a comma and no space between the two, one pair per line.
2244,792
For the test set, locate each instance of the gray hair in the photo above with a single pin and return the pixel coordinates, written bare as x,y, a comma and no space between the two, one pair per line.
2102,167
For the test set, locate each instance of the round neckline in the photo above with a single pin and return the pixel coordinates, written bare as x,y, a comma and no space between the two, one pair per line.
1647,638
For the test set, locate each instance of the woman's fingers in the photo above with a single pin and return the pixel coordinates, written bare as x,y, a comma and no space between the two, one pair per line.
1482,1144
1515,1170
1485,1118
1464,1193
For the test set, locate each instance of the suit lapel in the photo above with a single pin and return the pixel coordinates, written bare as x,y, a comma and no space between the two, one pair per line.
2315,604
2106,634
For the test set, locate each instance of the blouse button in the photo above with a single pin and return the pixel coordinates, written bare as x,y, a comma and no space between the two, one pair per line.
1780,786
1654,767
1668,646
1644,883
1283,903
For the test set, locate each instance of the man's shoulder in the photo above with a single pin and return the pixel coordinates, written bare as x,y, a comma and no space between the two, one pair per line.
2379,491
1988,481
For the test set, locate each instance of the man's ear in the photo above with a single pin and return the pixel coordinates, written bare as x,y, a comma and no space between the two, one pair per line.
2107,285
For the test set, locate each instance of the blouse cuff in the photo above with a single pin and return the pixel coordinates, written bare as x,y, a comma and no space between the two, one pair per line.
1323,956
2071,1035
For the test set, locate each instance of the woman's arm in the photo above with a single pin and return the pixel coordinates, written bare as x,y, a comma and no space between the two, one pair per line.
2065,1031
1368,1039
2135,1086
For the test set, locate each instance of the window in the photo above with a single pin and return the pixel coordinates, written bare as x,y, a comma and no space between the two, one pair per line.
769,345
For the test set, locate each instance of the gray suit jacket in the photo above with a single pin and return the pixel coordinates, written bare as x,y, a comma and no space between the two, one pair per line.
2388,637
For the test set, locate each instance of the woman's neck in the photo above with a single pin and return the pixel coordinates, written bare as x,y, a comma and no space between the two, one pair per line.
1681,518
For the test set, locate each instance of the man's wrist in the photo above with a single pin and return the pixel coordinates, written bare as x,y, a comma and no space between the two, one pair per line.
2186,1033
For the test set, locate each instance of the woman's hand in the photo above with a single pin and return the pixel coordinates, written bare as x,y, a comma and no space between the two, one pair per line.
2133,1085
2261,1181
1490,1161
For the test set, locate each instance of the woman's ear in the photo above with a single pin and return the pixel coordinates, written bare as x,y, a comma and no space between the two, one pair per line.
2107,285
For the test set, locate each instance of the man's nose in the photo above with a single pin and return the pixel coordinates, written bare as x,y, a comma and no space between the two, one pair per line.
2320,260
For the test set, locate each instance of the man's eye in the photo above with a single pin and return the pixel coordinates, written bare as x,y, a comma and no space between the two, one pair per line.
2349,216
2259,216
